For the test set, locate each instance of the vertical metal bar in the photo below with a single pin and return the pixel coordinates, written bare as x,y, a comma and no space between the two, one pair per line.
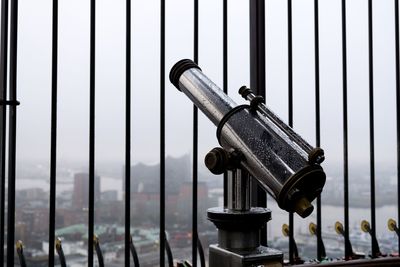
317,123
134,253
162,135
290,65
371,122
128,136
257,47
60,252
169,252
257,83
92,129
3,118
62,259
290,112
12,133
20,251
53,141
317,83
99,253
201,253
291,239
348,249
225,74
397,47
195,138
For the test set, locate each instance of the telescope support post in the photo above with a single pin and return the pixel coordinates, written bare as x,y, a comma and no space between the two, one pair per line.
238,190
239,227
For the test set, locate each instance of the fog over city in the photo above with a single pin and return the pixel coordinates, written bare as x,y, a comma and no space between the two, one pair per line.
34,75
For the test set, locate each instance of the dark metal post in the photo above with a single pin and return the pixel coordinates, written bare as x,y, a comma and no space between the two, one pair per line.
92,129
257,83
201,253
195,138
162,135
169,252
134,253
320,245
128,136
60,253
20,253
53,148
290,112
397,40
348,250
3,118
99,253
225,72
375,248
12,132
257,47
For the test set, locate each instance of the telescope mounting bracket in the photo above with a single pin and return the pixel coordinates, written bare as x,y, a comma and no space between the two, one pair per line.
238,224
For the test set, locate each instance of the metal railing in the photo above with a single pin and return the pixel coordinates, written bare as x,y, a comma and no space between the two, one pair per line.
9,103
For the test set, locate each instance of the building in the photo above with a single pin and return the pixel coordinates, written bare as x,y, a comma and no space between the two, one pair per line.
80,198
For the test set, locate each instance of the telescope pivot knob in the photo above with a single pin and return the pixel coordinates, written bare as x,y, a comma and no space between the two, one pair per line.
216,160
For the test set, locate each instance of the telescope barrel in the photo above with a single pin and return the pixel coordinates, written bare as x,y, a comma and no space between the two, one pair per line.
296,139
272,153
205,94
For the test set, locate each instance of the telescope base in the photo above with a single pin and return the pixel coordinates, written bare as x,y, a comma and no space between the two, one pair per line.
239,239
261,256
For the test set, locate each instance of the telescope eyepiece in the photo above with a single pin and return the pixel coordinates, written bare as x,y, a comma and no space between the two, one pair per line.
179,68
303,207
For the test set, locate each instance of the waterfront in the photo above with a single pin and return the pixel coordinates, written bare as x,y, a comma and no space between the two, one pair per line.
33,187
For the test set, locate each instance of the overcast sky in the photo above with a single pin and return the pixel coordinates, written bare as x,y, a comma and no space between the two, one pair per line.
34,80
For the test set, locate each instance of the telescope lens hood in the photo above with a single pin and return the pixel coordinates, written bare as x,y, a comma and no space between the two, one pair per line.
179,68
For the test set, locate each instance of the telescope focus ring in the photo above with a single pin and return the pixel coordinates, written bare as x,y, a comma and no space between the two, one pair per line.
179,68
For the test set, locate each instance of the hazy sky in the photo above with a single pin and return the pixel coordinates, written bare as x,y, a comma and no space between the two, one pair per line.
34,80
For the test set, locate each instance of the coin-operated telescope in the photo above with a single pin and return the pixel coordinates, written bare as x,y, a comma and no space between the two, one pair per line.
254,142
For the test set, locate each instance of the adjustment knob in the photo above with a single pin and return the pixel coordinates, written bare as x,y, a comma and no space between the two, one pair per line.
216,160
